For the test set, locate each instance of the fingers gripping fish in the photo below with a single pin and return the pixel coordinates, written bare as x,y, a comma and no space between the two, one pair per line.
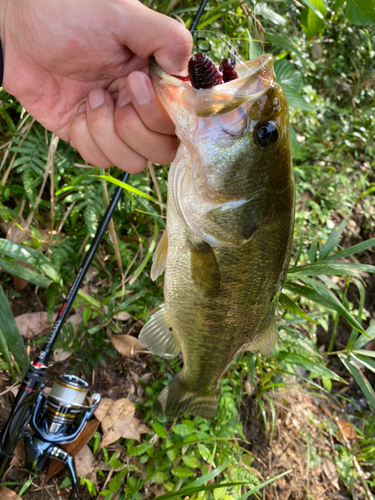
230,214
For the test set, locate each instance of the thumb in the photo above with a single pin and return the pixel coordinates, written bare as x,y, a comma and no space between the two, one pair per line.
150,33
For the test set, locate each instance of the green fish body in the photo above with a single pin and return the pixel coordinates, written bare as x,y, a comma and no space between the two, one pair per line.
230,216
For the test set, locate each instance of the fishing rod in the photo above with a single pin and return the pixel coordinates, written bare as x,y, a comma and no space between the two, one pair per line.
45,421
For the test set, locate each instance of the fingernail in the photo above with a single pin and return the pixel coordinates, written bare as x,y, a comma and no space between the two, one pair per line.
123,97
82,108
139,88
96,98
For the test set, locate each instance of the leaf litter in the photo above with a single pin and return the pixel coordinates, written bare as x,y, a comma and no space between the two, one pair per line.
118,421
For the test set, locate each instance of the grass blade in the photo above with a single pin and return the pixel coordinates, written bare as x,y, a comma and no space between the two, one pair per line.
129,188
5,352
289,304
265,483
360,247
361,380
365,338
336,268
309,364
320,294
333,240
12,334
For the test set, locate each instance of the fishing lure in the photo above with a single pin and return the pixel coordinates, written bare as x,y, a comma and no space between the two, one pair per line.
203,73
228,69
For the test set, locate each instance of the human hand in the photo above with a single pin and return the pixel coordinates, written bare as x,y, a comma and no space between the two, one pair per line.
56,53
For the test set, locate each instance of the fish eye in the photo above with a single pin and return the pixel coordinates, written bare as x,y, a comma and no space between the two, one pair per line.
267,134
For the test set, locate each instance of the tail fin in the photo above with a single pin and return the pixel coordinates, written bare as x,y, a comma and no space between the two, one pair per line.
178,398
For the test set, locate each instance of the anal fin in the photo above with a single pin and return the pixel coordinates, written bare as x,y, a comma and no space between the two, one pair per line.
160,257
265,341
157,336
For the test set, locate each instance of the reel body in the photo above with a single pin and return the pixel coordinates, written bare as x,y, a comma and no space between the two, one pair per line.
58,418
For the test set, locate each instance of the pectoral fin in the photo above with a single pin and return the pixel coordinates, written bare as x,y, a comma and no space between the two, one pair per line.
157,336
265,341
235,221
204,268
160,257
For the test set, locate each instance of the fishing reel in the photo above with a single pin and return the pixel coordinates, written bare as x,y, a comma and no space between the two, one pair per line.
58,418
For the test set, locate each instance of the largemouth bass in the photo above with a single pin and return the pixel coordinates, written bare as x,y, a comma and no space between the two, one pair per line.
230,214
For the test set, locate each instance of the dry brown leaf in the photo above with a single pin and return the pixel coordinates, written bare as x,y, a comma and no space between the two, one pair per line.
127,345
347,429
60,355
85,464
32,324
73,448
103,408
117,421
122,316
6,494
18,459
15,232
330,471
135,429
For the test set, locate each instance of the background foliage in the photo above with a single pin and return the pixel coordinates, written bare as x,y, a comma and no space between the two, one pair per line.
50,205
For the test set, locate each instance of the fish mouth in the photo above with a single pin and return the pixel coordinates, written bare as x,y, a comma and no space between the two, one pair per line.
255,78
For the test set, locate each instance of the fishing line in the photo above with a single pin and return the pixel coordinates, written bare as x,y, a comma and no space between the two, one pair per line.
26,407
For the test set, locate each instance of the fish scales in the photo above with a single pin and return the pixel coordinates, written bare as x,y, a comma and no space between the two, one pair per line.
228,238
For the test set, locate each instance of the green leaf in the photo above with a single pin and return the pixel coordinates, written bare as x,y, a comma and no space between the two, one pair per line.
187,491
262,9
296,148
319,293
12,334
281,42
30,256
295,100
308,364
317,6
337,268
204,452
87,299
24,273
6,355
263,484
182,472
148,255
333,240
136,451
360,12
289,304
191,461
171,453
129,188
290,80
365,338
365,193
313,19
218,494
4,213
159,478
358,376
182,429
159,430
365,360
287,74
360,247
